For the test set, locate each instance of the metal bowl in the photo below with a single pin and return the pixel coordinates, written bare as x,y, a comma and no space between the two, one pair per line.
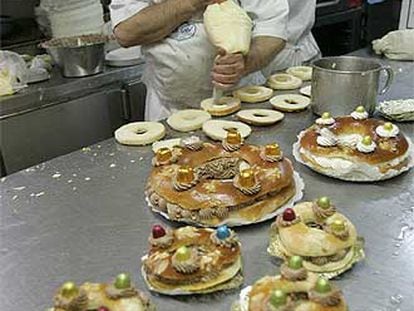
78,56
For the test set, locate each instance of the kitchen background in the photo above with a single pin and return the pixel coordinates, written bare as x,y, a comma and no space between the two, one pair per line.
70,113
341,25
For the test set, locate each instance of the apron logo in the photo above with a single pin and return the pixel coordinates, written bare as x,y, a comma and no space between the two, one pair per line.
184,32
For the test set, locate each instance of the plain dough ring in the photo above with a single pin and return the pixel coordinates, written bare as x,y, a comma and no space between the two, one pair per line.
284,81
260,117
218,129
225,106
302,72
253,94
168,143
290,102
188,120
140,133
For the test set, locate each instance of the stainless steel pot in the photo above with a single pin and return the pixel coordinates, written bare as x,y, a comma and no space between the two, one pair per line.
78,56
340,84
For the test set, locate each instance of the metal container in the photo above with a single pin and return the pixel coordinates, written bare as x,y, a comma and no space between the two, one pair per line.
340,84
78,56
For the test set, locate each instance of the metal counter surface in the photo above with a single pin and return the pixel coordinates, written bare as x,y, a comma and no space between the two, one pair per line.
59,89
83,217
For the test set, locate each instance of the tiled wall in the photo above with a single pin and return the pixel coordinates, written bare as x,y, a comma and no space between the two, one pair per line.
18,8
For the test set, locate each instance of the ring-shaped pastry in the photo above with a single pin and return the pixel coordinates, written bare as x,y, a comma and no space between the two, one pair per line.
253,94
224,106
284,81
311,236
188,120
290,102
218,129
302,72
260,117
140,133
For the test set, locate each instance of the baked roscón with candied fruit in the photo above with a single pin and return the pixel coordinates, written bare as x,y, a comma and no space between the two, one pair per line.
325,239
355,147
231,183
295,289
192,260
121,295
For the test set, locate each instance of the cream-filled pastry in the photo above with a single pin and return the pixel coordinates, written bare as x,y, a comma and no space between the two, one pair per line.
192,260
355,148
325,239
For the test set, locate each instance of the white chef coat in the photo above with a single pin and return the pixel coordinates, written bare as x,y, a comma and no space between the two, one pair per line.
301,47
178,69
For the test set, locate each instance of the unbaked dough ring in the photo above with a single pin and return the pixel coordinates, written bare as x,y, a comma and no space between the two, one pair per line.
218,129
284,81
253,94
290,102
140,133
188,120
167,143
224,106
302,72
260,117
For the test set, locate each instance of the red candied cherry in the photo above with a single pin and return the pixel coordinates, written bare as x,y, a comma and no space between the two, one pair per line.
158,231
289,215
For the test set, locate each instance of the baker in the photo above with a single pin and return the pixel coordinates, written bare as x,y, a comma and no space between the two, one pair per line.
182,66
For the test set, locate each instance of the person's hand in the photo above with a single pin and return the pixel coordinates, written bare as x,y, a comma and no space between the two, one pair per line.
228,69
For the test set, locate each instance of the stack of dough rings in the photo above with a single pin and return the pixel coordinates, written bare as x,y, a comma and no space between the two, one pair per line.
188,120
284,81
218,129
140,133
260,117
223,107
302,72
253,94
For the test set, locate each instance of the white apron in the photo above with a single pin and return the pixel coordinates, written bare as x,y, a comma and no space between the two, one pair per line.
178,71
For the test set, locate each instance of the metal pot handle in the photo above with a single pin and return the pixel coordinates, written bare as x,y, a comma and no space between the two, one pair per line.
390,77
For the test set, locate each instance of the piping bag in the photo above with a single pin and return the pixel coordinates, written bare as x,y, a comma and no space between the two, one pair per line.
228,27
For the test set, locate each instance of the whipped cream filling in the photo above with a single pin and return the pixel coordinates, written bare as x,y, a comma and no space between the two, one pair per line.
349,170
193,143
381,131
366,148
326,138
327,121
231,147
350,140
359,115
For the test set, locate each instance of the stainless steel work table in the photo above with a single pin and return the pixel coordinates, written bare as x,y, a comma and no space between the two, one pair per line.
83,217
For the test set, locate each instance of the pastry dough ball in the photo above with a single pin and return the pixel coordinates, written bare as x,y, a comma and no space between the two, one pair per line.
188,120
284,81
253,94
223,107
140,133
260,117
228,26
302,72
